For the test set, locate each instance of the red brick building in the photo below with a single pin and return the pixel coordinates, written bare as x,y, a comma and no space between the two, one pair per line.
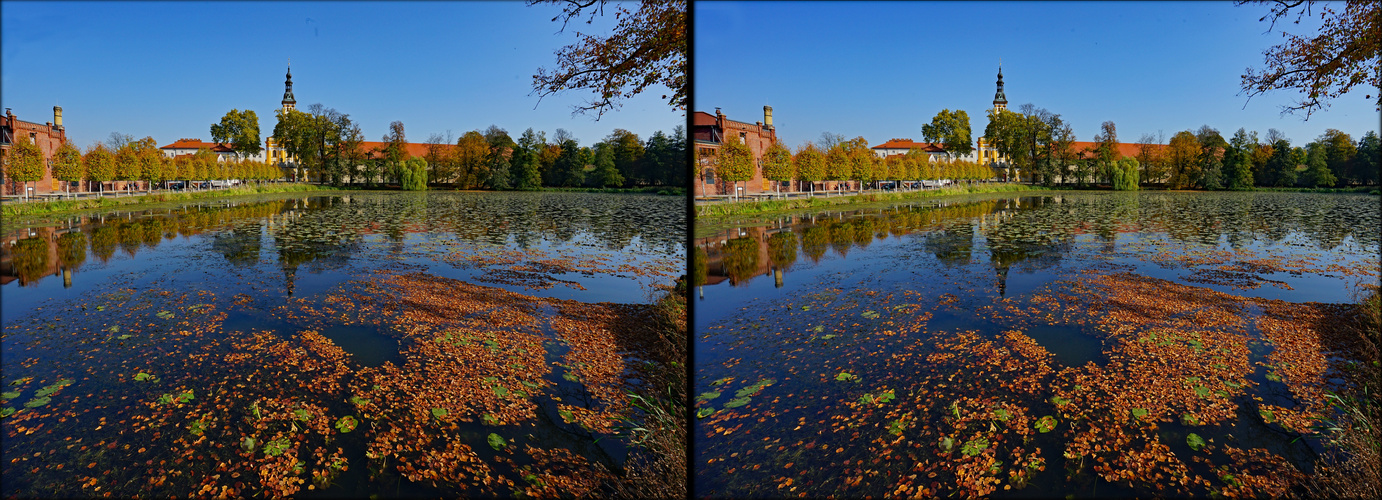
709,131
48,136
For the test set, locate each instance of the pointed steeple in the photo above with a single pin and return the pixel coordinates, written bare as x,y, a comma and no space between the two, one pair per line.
1000,101
288,101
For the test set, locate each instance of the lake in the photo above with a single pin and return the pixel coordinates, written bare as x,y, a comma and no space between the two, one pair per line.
1070,343
398,344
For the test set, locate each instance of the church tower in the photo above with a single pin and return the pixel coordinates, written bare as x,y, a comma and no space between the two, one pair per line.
290,103
1000,101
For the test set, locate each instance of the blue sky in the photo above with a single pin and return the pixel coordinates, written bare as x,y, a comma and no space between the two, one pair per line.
171,69
882,69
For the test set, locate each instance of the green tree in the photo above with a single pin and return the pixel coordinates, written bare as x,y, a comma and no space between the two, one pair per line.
1318,173
26,163
67,165
951,129
809,165
413,176
1183,160
1106,153
1339,150
528,175
647,47
1125,175
605,173
295,132
499,159
1063,152
777,165
861,161
1344,53
241,130
627,154
1281,167
736,162
1366,162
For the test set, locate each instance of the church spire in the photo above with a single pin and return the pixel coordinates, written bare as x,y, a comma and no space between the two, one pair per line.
1000,101
288,101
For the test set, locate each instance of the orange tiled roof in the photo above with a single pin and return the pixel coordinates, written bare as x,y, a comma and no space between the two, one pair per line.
215,147
413,148
1128,149
909,144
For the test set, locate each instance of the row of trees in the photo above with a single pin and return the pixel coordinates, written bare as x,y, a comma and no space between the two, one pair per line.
133,161
330,147
844,161
1041,145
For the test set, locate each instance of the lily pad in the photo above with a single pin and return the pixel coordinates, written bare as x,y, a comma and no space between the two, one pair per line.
497,442
1002,415
818,329
500,391
1059,401
866,399
828,336
165,314
895,427
1138,413
707,396
722,381
125,336
1267,415
1046,424
439,412
346,424
704,412
886,396
10,395
845,377
37,402
488,419
1189,419
870,314
302,415
737,402
358,400
1201,391
1195,441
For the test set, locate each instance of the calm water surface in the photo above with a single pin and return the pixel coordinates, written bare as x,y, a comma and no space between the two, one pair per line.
340,301
976,317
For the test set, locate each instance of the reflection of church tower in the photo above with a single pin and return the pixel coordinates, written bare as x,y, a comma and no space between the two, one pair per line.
1000,101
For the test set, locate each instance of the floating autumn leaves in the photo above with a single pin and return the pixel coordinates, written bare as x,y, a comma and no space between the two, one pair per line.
971,413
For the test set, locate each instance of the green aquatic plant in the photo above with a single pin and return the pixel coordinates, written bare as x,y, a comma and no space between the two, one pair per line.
1189,419
359,401
1138,413
165,314
7,412
886,396
488,419
828,336
896,426
722,381
870,314
1046,424
197,428
866,399
946,444
707,396
1002,415
277,447
737,402
37,402
10,395
1059,401
500,391
439,412
346,424
818,329
125,337
1195,441
974,447
247,444
845,377
497,442
54,387
705,412
1202,391
1267,415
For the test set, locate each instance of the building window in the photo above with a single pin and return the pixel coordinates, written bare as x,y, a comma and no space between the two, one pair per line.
709,176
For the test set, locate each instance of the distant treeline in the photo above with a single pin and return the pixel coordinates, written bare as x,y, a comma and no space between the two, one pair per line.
329,147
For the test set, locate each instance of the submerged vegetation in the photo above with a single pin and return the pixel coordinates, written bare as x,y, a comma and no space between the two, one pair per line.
1221,360
421,354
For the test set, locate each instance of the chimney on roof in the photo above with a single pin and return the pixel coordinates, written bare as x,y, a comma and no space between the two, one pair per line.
768,116
57,116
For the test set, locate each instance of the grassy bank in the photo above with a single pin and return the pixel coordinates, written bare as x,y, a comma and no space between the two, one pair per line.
1351,466
770,206
657,468
60,206
1356,189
